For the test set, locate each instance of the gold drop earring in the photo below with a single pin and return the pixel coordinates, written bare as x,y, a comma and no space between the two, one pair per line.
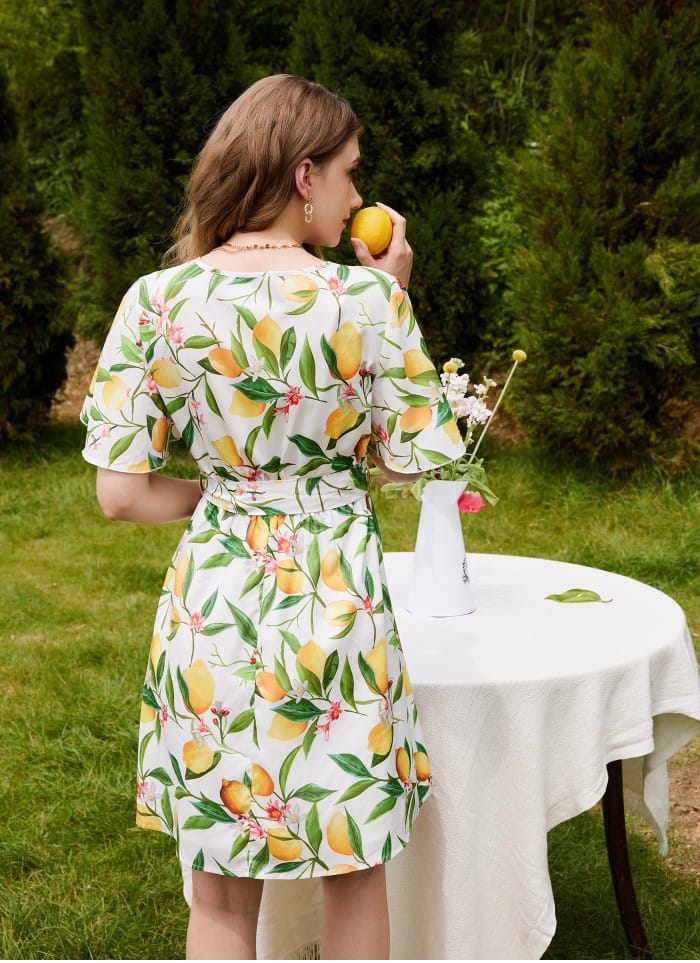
308,211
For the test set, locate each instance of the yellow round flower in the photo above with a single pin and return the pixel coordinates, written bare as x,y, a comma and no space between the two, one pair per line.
453,365
519,355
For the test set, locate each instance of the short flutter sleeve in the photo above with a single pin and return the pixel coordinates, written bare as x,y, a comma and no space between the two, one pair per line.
126,419
413,428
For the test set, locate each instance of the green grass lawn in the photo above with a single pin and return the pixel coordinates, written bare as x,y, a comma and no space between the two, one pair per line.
77,882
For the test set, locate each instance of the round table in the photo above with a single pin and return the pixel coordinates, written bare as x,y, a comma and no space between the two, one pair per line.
524,702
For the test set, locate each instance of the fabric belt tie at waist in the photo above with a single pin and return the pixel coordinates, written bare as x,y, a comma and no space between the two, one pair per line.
286,496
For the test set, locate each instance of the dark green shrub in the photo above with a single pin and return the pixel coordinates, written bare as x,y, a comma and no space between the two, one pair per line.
606,289
33,332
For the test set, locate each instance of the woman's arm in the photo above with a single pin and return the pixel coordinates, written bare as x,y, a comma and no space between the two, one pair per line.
147,497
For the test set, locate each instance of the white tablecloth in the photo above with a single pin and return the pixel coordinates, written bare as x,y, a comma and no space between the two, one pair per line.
523,703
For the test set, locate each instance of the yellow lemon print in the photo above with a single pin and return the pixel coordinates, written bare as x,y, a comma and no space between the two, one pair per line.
337,834
361,447
93,382
261,781
282,728
422,765
200,684
312,657
398,310
415,419
148,714
290,577
299,288
415,363
235,795
228,453
403,764
269,333
245,407
147,820
340,869
140,467
114,393
180,572
452,431
197,757
166,374
377,659
282,844
339,613
347,344
223,362
330,571
257,533
340,421
380,739
155,650
373,226
159,434
407,684
268,686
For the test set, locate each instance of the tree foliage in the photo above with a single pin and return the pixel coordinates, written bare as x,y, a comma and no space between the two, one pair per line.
606,287
33,332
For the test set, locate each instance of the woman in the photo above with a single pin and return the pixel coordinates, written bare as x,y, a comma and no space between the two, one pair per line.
279,736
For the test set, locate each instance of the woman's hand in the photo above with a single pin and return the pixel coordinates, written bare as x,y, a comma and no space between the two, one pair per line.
398,257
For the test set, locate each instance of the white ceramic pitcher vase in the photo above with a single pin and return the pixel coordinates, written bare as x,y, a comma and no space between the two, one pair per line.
440,584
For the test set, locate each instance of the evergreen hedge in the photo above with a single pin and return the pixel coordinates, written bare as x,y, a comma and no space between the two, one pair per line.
606,288
34,334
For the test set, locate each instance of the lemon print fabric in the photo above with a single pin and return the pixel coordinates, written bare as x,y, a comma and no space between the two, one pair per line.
279,736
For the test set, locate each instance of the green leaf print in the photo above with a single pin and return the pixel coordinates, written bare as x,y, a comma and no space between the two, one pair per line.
214,628
149,697
307,368
308,447
130,351
249,633
258,864
198,861
247,315
255,578
386,849
313,829
239,844
208,606
285,768
241,721
368,673
312,793
281,675
211,400
351,764
221,560
311,679
314,561
176,404
330,358
236,546
428,378
289,602
238,351
144,299
291,640
287,347
269,359
167,809
177,282
302,309
259,390
357,788
121,445
214,281
176,769
188,434
383,807
347,685
354,836
200,341
300,711
160,775
288,867
250,442
198,822
143,746
268,602
213,810
184,690
330,669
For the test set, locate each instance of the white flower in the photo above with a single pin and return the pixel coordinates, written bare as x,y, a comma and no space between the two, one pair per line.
298,690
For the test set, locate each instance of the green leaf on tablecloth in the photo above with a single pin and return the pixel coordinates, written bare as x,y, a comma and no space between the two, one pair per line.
577,595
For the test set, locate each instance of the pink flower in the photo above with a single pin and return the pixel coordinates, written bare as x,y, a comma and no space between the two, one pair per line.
324,728
380,433
175,334
335,284
196,621
151,386
334,711
275,810
470,502
163,714
293,396
367,604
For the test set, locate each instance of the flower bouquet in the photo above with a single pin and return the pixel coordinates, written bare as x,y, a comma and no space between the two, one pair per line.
440,584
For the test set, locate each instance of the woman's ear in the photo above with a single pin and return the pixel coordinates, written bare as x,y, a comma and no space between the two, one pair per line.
302,177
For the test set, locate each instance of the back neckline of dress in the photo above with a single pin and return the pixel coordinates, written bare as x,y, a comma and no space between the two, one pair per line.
247,273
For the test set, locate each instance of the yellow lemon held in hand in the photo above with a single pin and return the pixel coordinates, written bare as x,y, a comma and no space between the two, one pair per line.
380,739
261,781
330,571
200,685
281,728
373,226
146,819
223,362
114,393
347,344
226,447
422,765
165,374
268,686
245,407
283,845
290,577
235,795
415,419
377,659
403,764
312,657
197,757
337,834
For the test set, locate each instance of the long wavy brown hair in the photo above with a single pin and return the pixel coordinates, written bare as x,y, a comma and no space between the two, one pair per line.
243,178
